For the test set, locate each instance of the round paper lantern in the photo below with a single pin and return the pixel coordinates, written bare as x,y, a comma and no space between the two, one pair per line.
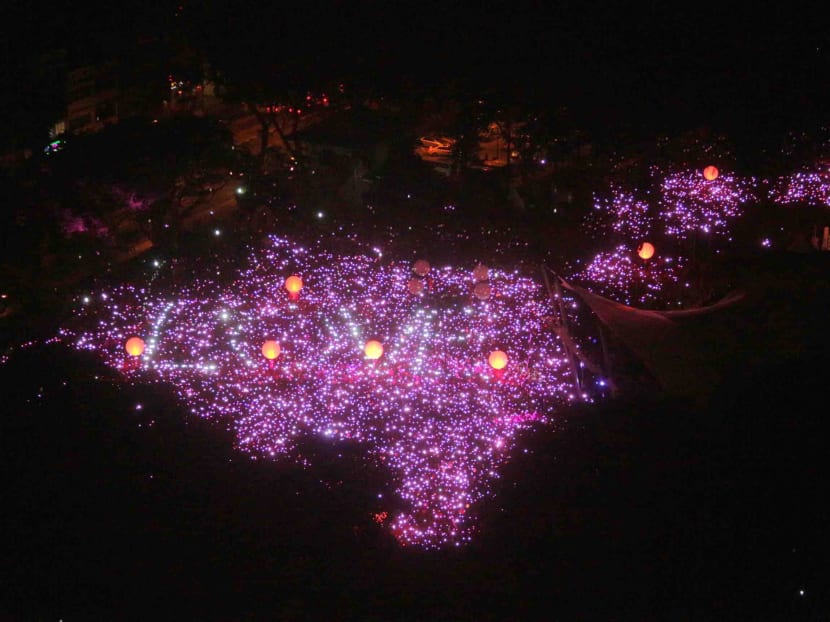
498,359
373,349
293,284
481,272
134,346
421,267
711,173
482,291
271,349
416,286
645,250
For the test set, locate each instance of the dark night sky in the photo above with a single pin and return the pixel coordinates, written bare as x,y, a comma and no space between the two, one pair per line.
644,62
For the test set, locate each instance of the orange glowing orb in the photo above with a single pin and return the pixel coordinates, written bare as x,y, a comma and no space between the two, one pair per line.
134,346
498,359
421,267
293,284
416,286
711,173
373,349
482,290
271,349
645,250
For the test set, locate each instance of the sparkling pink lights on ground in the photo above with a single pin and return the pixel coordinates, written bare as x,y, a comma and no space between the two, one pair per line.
431,410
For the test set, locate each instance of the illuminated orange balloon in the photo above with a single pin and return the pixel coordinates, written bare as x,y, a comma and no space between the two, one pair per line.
421,267
711,173
134,346
482,290
416,286
645,250
498,359
481,272
271,349
373,349
293,284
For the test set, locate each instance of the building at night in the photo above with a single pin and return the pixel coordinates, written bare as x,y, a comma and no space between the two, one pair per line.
91,97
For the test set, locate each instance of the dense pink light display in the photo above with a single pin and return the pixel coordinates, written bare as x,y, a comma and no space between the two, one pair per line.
689,203
431,409
680,205
802,188
623,212
622,276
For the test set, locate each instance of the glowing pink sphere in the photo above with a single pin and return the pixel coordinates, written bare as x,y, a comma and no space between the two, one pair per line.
134,346
293,284
497,359
373,349
645,250
271,349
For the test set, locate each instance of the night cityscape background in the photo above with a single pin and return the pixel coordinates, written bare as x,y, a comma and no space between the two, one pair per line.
414,312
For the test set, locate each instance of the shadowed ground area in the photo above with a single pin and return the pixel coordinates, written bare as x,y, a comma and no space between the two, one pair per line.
630,510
